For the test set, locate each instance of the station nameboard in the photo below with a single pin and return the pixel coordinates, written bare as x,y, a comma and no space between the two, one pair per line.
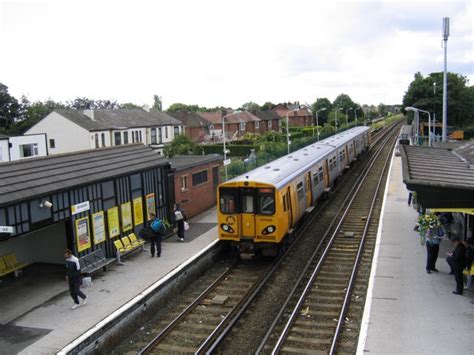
80,207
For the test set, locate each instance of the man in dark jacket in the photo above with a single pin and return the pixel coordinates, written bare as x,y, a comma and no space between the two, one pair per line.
457,261
73,275
156,235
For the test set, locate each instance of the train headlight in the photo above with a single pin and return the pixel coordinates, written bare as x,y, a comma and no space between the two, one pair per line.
269,230
226,228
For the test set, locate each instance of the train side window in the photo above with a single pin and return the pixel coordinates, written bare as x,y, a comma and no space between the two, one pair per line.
320,174
227,200
315,178
284,203
300,190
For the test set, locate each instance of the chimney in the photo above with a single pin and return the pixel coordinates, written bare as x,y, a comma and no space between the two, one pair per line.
146,108
89,113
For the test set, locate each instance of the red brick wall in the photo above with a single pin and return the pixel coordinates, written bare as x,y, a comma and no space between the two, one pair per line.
196,199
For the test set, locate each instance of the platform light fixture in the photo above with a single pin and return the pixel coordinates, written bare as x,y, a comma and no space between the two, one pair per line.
45,204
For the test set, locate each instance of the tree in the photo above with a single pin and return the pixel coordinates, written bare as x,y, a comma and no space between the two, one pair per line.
182,145
10,108
83,103
250,106
157,103
267,106
183,107
421,94
318,105
343,101
129,105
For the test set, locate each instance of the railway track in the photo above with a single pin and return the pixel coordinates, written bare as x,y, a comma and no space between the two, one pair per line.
219,320
316,311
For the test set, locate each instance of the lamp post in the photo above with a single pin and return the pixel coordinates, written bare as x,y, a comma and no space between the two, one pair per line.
317,120
434,109
347,120
416,110
288,128
445,78
335,120
223,134
355,114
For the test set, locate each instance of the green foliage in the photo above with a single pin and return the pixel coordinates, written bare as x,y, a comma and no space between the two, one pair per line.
235,150
182,145
10,108
129,106
249,106
157,103
421,94
319,104
267,106
183,107
83,103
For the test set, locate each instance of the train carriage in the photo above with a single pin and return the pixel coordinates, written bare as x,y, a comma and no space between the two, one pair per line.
258,209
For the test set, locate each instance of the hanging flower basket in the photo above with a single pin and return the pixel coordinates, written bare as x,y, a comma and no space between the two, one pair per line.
428,223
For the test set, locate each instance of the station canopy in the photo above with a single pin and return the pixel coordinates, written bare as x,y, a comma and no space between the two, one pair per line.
443,178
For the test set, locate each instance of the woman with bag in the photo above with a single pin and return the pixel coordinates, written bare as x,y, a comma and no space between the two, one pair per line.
180,219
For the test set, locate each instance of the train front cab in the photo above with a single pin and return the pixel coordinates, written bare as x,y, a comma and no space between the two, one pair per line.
248,216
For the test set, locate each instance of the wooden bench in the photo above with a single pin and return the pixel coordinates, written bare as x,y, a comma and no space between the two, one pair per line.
94,261
124,246
9,264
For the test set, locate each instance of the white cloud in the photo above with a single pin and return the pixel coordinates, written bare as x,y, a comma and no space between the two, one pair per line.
226,53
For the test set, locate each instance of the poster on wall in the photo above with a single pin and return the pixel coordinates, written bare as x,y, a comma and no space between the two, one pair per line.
83,238
98,227
126,209
150,205
138,211
113,220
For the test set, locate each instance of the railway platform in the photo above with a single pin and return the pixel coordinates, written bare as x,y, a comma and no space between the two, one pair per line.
409,311
36,310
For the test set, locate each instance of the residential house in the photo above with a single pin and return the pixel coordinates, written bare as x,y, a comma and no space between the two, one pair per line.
197,128
21,147
74,130
270,121
298,116
236,124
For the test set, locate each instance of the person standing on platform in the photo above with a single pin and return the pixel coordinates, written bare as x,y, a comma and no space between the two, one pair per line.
73,276
179,217
433,239
457,261
156,237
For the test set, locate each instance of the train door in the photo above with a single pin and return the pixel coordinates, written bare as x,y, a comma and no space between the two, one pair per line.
327,180
309,190
247,203
287,207
300,198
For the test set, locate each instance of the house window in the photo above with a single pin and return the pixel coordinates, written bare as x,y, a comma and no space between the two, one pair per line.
242,126
269,124
160,136
102,136
153,136
257,124
117,138
96,139
166,132
140,133
200,178
176,131
28,150
184,182
52,143
135,138
125,137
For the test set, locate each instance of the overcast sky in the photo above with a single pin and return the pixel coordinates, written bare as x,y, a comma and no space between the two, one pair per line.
226,53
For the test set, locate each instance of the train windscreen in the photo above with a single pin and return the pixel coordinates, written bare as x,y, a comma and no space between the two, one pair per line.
266,201
228,198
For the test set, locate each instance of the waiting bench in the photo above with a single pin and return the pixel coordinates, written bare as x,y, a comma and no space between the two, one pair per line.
128,245
9,264
94,261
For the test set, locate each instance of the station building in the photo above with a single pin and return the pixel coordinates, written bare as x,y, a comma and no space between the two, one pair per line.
82,201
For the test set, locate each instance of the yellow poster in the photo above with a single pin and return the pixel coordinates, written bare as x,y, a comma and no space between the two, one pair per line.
150,205
98,227
83,237
138,211
126,216
113,220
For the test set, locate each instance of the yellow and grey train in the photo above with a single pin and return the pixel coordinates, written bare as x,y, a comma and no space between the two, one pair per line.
258,209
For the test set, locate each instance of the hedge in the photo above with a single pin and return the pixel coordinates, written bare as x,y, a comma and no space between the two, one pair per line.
235,150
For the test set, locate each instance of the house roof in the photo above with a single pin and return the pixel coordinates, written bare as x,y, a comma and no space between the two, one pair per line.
2,136
82,120
266,115
191,119
35,177
133,118
243,116
213,117
182,162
